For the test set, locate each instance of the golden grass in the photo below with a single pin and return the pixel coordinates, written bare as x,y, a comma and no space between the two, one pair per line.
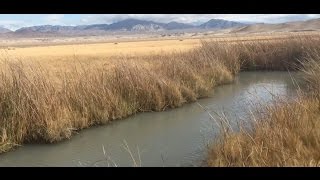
104,49
116,47
286,134
44,103
40,106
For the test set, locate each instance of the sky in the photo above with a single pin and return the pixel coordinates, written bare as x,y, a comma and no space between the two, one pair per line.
16,21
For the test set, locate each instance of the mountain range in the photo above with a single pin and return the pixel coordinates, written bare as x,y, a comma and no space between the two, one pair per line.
135,25
128,25
4,30
309,25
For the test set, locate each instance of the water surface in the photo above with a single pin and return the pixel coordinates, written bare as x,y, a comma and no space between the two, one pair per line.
177,137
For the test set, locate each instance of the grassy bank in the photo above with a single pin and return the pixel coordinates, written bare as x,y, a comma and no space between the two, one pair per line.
286,135
38,105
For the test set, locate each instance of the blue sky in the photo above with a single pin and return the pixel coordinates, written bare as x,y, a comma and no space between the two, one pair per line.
15,21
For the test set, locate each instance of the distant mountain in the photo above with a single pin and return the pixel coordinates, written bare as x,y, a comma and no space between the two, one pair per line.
136,25
176,25
128,25
4,30
45,29
220,24
309,25
139,25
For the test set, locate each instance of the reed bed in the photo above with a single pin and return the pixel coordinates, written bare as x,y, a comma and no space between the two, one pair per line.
287,134
37,105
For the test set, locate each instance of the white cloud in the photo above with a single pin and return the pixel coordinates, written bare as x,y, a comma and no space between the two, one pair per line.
12,24
54,18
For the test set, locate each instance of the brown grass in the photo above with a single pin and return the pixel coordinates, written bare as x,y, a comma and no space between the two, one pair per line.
103,49
39,105
287,134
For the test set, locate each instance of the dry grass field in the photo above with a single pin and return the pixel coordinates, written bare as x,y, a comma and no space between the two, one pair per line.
58,57
105,49
99,47
47,93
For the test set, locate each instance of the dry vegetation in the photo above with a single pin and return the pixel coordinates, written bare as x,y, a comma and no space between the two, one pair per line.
38,104
103,49
287,134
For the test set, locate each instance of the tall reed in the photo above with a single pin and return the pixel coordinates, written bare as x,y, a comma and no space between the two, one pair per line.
37,105
287,134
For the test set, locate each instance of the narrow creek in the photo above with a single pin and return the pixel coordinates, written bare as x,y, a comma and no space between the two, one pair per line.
177,137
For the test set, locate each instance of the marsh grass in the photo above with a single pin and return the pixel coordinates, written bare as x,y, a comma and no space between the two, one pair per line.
37,105
286,134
